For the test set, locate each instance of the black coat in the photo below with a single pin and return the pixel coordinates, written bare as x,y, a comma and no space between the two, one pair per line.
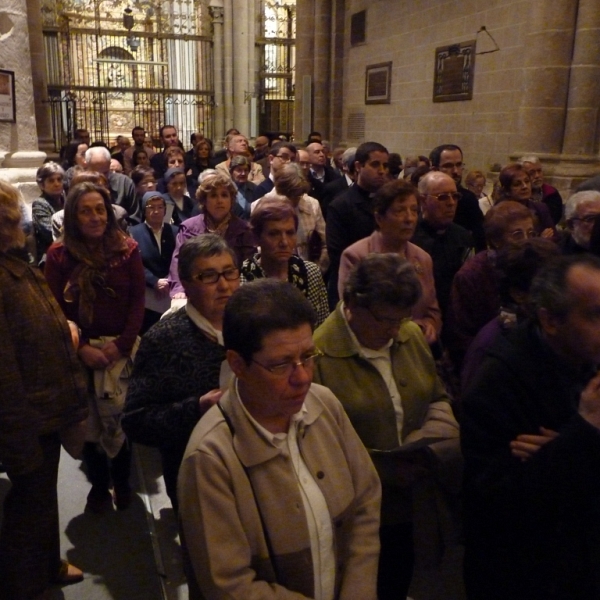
532,527
156,263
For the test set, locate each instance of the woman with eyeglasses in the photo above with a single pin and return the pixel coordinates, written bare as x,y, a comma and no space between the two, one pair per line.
96,274
178,368
274,223
396,210
376,360
475,294
216,197
515,184
156,240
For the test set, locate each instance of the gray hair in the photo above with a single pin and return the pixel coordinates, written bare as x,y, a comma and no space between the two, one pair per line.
529,158
549,288
239,161
348,158
201,246
429,178
97,151
383,278
47,170
576,200
206,173
290,181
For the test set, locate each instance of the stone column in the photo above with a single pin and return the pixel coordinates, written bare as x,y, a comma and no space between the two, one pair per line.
40,78
228,64
322,62
241,84
581,130
305,43
216,9
547,62
19,141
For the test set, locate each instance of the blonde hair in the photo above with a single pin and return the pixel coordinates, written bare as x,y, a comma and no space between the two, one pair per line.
11,234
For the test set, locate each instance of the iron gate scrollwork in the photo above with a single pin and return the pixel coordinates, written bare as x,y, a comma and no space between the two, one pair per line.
278,66
107,73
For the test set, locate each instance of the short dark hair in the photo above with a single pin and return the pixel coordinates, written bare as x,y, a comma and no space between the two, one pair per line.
549,287
363,152
139,172
435,155
387,194
160,131
518,262
259,308
276,209
137,128
136,153
275,148
507,176
500,217
201,246
383,278
395,164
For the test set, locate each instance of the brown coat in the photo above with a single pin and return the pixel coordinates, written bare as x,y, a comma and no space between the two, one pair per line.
42,384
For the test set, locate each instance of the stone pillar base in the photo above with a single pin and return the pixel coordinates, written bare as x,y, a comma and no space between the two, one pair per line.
24,180
23,160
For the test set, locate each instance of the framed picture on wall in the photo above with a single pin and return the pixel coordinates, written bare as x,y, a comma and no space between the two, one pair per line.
8,104
454,70
378,83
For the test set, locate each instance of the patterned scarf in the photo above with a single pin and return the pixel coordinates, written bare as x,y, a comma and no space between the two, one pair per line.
297,272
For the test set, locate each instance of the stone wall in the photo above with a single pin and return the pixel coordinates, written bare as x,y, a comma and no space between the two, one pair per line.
407,33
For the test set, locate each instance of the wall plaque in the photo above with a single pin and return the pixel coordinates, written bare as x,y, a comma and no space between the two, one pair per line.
454,71
8,103
378,83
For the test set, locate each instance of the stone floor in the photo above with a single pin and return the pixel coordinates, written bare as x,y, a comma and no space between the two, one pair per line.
135,554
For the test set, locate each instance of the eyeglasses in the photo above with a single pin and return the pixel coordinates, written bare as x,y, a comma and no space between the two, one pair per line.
214,276
389,322
286,158
588,219
445,197
518,234
156,208
285,369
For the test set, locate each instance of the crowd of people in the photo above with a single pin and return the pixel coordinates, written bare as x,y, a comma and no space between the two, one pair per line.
319,342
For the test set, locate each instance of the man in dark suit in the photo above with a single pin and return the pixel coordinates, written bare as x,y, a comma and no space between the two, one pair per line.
448,158
338,186
350,216
320,173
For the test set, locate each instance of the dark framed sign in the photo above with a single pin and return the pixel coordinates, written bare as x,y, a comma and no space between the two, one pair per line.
8,104
378,83
454,70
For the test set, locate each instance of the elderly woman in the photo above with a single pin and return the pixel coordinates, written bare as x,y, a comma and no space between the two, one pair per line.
97,276
275,227
179,361
475,182
474,298
156,241
181,205
278,496
377,362
216,196
396,210
239,169
50,178
515,185
43,398
292,185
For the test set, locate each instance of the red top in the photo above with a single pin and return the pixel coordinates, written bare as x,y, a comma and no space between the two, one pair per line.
115,314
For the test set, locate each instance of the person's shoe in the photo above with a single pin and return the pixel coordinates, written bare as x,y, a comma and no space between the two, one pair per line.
99,501
122,496
68,574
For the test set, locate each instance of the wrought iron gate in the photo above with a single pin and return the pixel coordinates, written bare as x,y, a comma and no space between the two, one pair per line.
111,67
278,66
